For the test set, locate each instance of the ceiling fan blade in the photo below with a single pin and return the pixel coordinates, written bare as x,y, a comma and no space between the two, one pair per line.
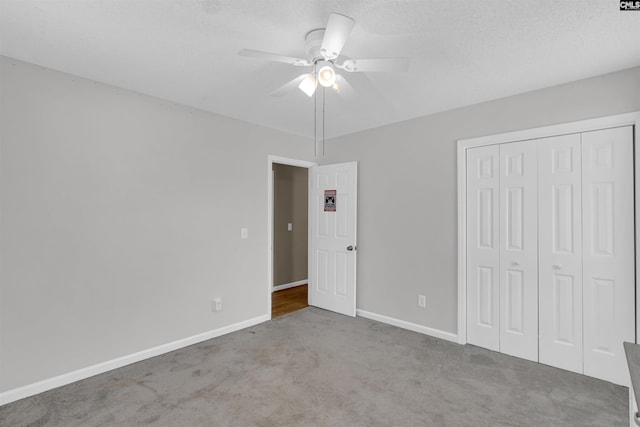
375,65
298,62
289,86
335,35
343,88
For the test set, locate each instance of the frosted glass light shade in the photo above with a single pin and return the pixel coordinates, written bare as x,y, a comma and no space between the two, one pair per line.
326,76
308,84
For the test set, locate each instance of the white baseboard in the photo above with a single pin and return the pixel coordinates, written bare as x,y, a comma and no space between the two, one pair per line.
70,377
437,333
633,409
290,285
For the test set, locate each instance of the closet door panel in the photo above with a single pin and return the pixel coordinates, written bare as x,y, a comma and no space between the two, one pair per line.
483,247
560,252
519,249
608,251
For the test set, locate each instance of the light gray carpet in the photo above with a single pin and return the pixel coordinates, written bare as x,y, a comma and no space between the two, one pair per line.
316,368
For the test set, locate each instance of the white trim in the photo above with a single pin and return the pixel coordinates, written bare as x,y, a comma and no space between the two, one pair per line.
625,119
80,374
462,244
554,130
271,159
636,195
632,408
437,333
290,285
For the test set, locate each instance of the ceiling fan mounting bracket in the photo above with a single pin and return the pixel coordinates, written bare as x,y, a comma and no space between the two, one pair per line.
313,41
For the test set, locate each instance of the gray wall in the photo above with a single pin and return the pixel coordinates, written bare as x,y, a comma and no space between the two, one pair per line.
408,244
290,201
120,221
121,213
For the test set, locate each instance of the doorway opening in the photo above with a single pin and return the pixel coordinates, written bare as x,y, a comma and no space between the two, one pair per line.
288,235
290,238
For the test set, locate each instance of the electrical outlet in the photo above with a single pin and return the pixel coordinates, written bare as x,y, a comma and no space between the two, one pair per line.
422,301
216,304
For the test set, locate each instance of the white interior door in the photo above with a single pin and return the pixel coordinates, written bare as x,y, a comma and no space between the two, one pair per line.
483,247
332,229
560,252
519,249
608,251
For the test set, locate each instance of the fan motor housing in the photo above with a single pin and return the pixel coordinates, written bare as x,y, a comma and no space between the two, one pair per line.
314,40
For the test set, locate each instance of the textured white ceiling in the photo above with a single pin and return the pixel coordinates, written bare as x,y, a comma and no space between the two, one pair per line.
462,52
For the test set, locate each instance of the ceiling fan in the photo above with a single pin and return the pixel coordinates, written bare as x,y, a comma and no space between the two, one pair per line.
323,46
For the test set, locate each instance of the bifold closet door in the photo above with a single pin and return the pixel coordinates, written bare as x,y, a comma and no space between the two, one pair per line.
483,247
608,251
560,252
551,250
519,249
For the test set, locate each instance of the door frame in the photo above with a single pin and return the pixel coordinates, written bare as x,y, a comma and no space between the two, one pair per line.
618,120
271,159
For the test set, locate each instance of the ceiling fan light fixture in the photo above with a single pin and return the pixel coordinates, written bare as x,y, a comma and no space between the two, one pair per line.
308,85
326,76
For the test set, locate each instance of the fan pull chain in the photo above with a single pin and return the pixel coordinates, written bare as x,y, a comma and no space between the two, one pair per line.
323,101
315,125
315,120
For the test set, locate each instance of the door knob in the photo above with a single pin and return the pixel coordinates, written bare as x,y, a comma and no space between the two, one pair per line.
351,248
557,266
515,263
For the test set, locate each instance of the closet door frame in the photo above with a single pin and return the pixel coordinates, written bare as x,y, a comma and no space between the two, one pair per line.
626,119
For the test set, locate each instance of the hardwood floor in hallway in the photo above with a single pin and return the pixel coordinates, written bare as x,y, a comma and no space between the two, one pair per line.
289,300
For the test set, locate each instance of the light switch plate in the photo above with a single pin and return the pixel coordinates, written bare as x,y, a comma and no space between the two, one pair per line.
422,301
290,226
244,233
